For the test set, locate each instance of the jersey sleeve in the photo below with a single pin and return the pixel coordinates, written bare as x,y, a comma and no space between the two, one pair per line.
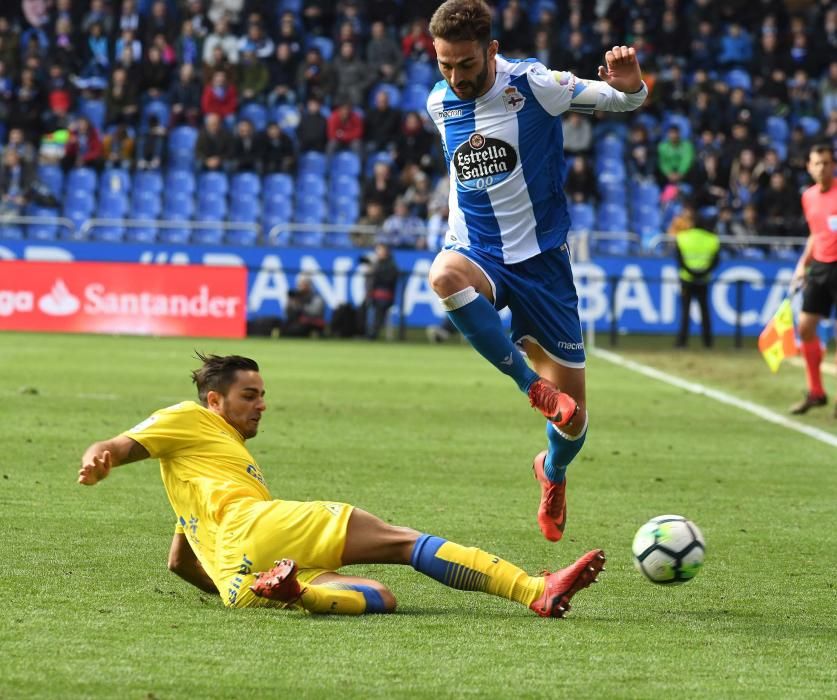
561,91
167,431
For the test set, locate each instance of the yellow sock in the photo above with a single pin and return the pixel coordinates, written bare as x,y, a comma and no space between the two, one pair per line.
472,569
332,598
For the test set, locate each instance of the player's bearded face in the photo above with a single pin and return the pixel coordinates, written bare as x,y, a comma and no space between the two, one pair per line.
466,66
469,87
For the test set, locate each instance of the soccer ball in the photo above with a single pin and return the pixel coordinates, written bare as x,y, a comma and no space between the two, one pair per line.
669,549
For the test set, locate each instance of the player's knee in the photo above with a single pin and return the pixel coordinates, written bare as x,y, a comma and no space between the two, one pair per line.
447,280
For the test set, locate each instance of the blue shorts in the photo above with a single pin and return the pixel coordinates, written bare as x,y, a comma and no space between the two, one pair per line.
541,296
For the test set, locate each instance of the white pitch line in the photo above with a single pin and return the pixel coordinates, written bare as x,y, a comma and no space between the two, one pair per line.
720,396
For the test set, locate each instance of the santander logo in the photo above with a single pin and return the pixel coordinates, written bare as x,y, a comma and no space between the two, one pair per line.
59,301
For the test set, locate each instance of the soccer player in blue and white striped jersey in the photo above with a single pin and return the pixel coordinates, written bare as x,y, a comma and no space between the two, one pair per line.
506,246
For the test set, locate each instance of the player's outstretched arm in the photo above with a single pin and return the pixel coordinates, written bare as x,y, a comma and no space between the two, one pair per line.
101,457
621,70
184,563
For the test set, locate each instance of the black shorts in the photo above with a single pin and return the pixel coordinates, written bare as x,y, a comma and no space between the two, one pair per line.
820,293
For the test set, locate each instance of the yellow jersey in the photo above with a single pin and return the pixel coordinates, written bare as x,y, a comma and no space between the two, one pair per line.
205,468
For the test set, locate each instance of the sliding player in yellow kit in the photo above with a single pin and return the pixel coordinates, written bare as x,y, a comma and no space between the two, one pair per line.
229,528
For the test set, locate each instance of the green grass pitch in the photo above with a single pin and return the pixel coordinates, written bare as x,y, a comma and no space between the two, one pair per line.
433,438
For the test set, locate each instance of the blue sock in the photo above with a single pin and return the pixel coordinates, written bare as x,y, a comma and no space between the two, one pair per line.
480,323
562,450
423,558
374,602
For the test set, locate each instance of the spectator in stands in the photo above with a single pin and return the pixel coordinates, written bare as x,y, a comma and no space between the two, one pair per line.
220,96
352,76
671,37
674,157
381,283
382,188
514,31
253,77
128,42
735,47
9,47
213,147
7,91
223,38
304,311
437,229
642,164
575,56
383,124
312,132
580,185
318,16
129,18
747,226
188,47
417,45
17,142
121,99
99,13
578,134
247,149
28,105
710,182
218,61
742,190
256,41
185,97
314,76
802,95
383,54
673,90
779,207
345,129
368,226
403,230
282,76
156,75
704,46
127,62
118,147
84,146
158,21
766,166
63,49
417,194
289,34
15,181
278,151
542,49
828,91
60,94
151,145
414,145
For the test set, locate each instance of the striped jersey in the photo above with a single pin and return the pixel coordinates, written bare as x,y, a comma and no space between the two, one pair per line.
505,156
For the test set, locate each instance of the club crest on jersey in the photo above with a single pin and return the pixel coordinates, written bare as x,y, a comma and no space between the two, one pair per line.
481,162
513,100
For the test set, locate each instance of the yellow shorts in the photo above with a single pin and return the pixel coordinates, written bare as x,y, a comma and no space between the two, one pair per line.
257,533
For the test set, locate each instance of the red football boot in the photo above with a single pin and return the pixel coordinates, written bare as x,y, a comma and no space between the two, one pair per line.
552,511
279,583
556,406
565,583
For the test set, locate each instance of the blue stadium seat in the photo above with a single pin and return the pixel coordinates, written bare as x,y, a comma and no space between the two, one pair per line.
345,210
679,120
739,78
308,239
181,147
323,44
311,209
610,170
613,192
612,217
346,163
112,205
645,194
178,206
294,6
82,179
338,239
10,231
610,147
422,73
373,158
279,205
53,178
254,113
613,246
310,186
287,117
247,184
180,181
312,163
155,108
148,181
414,98
42,231
208,236
145,204
140,234
777,128
344,185
278,183
781,149
177,235
650,122
392,91
211,207
811,125
245,209
582,217
115,180
108,234
94,110
242,236
214,182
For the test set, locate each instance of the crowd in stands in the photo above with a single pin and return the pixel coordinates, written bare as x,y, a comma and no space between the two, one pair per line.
311,112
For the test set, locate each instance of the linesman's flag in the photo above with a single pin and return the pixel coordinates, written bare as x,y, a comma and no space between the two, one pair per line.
777,341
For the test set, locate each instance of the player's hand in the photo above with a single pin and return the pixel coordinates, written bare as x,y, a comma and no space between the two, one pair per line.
95,468
622,70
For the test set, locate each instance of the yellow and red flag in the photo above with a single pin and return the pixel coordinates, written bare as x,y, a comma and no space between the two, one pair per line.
777,341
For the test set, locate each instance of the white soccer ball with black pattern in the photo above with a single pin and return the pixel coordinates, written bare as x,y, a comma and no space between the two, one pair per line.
669,549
